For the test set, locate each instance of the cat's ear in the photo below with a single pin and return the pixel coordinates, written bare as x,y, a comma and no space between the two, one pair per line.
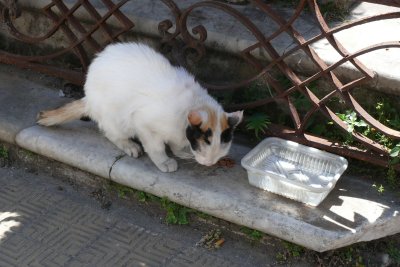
234,118
196,117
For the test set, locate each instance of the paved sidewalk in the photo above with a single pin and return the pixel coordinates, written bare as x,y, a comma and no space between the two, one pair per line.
45,222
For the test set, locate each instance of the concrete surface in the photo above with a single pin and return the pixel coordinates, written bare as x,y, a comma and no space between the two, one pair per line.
353,212
78,144
20,104
226,33
45,222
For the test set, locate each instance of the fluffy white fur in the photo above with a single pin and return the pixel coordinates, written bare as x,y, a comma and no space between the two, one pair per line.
133,91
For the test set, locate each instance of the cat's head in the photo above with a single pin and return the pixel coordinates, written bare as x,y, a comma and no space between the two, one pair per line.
210,133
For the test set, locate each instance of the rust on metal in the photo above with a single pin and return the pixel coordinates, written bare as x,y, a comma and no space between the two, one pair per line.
64,19
83,40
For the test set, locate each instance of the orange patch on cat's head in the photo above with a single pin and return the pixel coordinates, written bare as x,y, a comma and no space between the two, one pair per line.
211,121
205,118
224,122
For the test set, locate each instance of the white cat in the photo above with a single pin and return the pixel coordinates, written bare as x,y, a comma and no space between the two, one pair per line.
132,91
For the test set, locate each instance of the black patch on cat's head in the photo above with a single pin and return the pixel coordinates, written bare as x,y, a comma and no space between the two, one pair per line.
206,135
195,134
227,135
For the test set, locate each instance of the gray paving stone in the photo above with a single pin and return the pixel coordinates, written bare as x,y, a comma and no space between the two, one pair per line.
75,231
195,258
21,100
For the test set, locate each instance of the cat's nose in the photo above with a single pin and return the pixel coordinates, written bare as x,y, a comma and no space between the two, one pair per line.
205,162
209,162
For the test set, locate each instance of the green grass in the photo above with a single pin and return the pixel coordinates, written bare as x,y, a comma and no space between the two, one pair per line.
4,153
293,249
394,252
252,234
122,190
176,214
291,252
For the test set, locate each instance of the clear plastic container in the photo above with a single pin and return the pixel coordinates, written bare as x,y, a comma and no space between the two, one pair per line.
292,170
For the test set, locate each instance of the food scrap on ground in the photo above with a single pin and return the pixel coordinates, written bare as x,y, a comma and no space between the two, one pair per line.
226,162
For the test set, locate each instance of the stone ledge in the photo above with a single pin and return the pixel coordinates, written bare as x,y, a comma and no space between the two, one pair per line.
353,212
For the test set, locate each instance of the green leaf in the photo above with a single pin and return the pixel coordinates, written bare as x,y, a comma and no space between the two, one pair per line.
394,160
171,218
395,151
341,116
361,123
257,122
182,215
142,196
350,128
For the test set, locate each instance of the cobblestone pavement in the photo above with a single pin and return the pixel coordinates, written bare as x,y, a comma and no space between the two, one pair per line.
47,222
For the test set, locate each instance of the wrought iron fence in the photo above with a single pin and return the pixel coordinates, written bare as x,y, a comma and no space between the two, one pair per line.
178,31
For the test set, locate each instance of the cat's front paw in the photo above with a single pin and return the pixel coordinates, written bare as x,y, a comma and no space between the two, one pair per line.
132,149
170,165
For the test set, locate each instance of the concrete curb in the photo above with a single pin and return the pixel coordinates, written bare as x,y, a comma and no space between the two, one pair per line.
353,212
76,144
223,193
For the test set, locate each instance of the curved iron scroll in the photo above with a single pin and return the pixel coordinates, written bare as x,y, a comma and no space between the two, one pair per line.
64,19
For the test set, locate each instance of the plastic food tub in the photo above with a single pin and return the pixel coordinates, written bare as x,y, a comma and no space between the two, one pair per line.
292,170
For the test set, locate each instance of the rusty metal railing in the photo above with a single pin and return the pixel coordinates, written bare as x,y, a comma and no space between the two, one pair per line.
178,31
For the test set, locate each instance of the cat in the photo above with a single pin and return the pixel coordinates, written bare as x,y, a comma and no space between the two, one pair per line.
133,92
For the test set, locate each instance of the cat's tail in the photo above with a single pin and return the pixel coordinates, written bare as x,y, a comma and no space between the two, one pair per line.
71,111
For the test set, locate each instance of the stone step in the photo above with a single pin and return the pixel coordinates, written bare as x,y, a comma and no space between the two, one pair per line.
353,212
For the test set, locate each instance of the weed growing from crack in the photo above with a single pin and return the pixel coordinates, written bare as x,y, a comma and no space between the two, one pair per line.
252,233
380,189
394,252
258,123
4,156
292,251
146,197
351,255
4,153
122,190
176,214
